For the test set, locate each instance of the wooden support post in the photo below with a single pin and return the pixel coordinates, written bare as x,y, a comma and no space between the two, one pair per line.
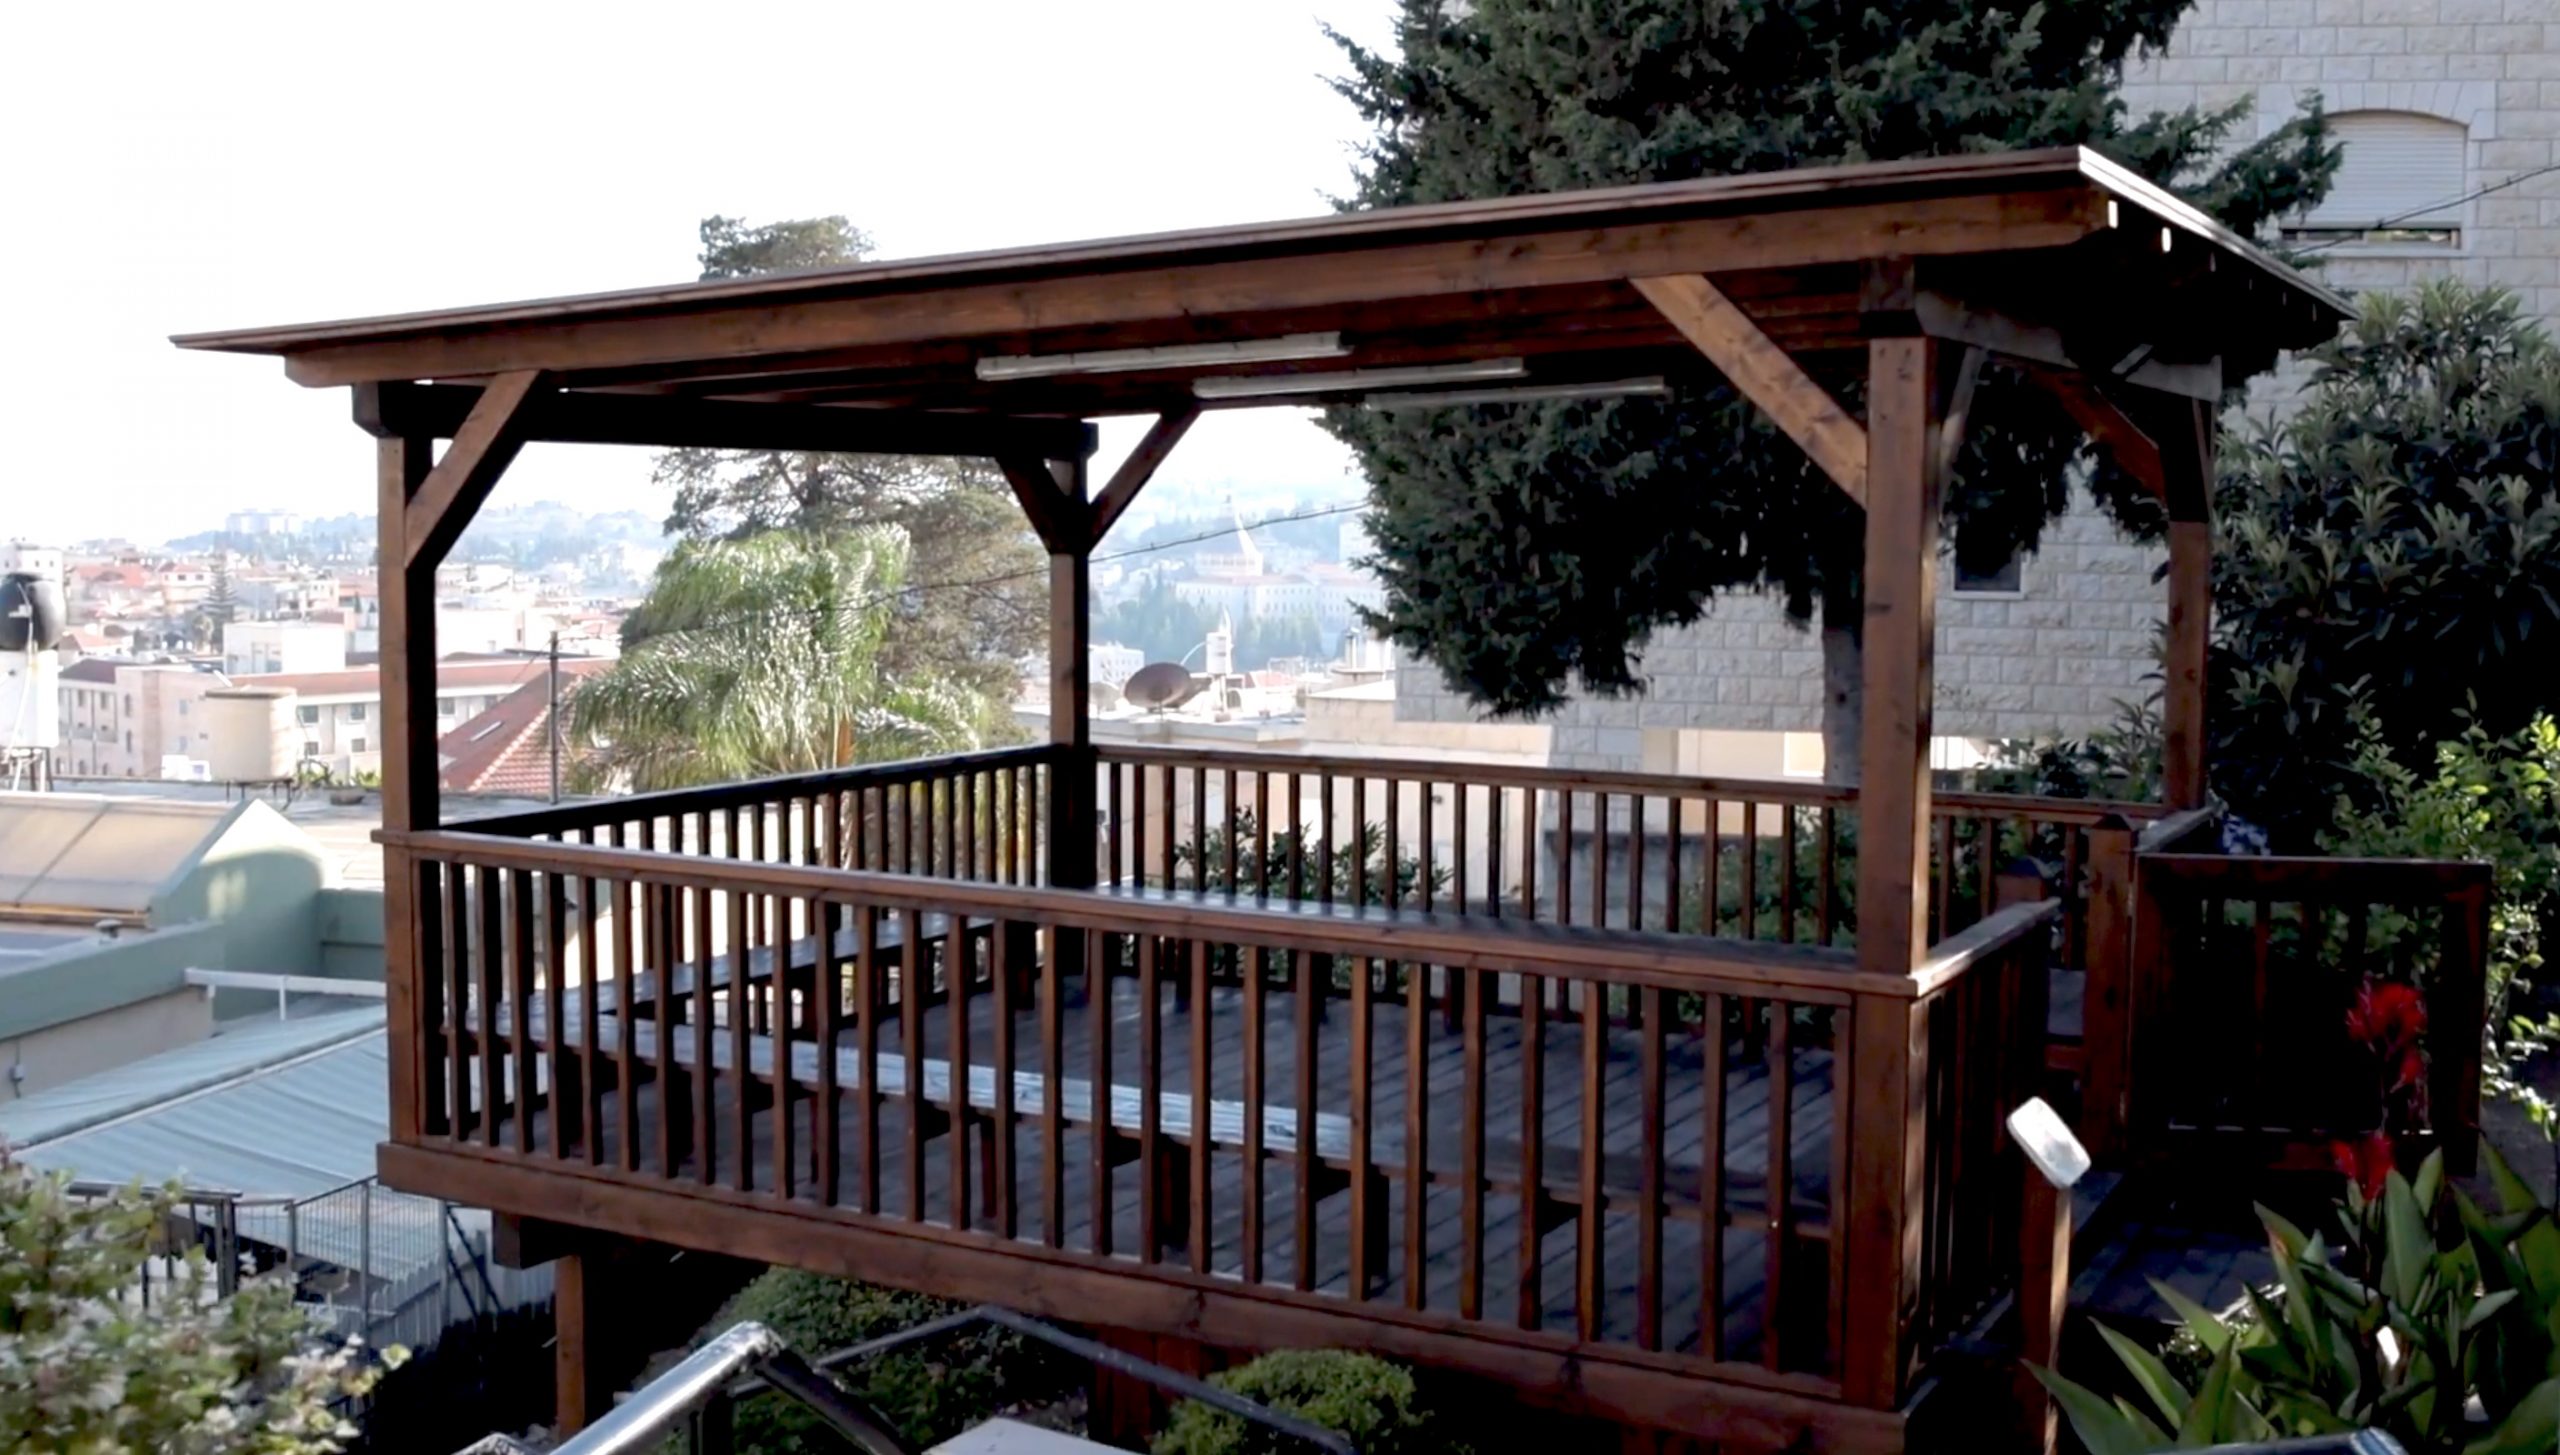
2106,989
2186,459
1071,787
2044,1296
580,1324
1889,1047
409,782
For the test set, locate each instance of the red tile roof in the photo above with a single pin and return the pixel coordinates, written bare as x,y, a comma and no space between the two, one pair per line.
506,749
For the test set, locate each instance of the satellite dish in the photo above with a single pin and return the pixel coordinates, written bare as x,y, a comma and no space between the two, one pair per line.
1159,685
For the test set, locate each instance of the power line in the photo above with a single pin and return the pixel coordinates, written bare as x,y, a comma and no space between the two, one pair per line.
2494,187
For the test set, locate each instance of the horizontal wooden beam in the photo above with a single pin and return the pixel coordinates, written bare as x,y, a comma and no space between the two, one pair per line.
1139,468
437,411
1766,374
484,444
1942,315
2042,217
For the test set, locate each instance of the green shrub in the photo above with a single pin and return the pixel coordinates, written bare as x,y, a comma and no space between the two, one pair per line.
2430,1319
928,1395
1362,1396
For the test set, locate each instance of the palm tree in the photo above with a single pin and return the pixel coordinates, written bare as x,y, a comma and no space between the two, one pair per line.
762,656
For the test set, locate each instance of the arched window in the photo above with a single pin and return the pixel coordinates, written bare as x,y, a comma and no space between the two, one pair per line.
2401,182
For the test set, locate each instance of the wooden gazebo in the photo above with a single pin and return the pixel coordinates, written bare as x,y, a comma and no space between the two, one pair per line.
1034,1026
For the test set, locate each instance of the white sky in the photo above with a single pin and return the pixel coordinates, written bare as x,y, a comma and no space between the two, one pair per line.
176,167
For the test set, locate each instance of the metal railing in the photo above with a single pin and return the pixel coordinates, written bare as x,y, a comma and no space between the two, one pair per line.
701,1395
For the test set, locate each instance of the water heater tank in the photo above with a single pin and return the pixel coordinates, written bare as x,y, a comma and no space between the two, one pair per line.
31,614
250,735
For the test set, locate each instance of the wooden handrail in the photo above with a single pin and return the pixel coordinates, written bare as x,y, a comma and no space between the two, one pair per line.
747,792
1757,790
1950,958
1568,952
2313,877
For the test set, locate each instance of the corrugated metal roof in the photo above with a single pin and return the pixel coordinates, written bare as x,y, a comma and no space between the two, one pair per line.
280,1109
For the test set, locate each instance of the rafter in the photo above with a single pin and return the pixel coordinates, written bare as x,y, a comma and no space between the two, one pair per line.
1766,374
1063,522
2104,421
483,446
1139,468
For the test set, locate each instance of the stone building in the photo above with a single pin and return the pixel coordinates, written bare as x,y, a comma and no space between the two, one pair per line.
2450,112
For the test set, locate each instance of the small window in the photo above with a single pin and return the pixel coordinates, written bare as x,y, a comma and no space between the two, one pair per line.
128,740
355,745
310,749
2009,580
182,707
310,715
355,712
182,745
2400,183
444,707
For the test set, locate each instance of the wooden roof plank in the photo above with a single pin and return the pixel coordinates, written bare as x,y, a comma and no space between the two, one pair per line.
1766,375
436,411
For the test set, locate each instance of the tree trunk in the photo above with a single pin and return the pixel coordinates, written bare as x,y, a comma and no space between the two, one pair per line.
1843,662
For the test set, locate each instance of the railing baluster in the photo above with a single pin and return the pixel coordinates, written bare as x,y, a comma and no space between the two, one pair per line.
957,952
741,957
869,995
1787,873
1417,1125
1262,832
1203,1044
1297,841
1253,966
458,1001
1636,817
591,982
1324,841
519,969
1053,1078
1711,1088
1835,1204
1778,1191
1367,1218
1531,1310
1675,813
1493,856
1529,853
1150,1099
1097,949
1360,842
674,1095
1172,830
915,968
1199,826
1005,967
1749,928
1649,1190
555,1009
1590,1252
826,1003
1564,858
1713,909
1826,871
435,1025
704,1078
1227,850
1477,984
1303,1147
1428,879
1459,844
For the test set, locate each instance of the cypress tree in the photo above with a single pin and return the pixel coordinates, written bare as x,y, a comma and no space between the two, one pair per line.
1531,550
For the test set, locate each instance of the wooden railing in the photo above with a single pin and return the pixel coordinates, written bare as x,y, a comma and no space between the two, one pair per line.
973,816
2247,971
1748,859
1628,1146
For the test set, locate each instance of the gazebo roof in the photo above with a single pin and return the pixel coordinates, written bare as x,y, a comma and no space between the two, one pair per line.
2059,257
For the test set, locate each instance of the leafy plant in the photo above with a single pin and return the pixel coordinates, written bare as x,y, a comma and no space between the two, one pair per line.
2396,539
87,1364
2429,1319
1362,1396
2494,798
1288,864
929,1395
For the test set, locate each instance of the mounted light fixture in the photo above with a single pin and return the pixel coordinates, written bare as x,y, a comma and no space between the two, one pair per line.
1356,381
1654,387
1178,356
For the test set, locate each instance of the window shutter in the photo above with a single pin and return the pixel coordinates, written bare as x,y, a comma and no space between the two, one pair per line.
2400,168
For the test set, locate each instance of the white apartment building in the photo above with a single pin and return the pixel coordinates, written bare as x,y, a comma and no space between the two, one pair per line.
265,647
340,713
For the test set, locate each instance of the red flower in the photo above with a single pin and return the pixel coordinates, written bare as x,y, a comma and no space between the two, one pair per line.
2387,1014
2367,1162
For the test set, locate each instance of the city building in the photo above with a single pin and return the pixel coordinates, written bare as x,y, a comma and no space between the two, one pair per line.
131,717
265,647
339,714
261,523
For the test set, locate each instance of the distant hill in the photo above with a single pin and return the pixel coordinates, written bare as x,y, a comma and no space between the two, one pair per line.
535,534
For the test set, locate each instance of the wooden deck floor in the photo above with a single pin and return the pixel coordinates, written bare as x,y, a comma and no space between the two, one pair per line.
1551,1253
